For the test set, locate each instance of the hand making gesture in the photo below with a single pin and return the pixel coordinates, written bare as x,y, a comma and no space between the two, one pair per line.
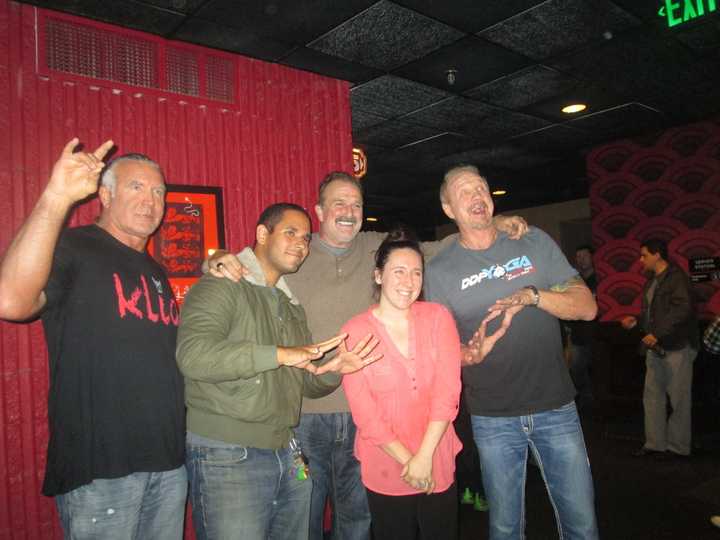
75,174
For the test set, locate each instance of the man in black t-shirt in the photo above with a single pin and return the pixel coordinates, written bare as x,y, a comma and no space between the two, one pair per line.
116,450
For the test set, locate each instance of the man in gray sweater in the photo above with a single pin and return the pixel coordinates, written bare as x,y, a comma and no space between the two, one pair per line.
333,285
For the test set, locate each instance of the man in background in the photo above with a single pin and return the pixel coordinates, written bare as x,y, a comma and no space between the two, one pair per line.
669,335
582,335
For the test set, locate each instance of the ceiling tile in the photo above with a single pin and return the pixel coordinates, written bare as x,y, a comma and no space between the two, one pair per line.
593,96
439,145
556,139
702,38
330,66
624,121
362,120
529,85
469,15
386,36
649,69
557,26
390,96
126,13
229,39
393,134
296,22
182,6
451,113
495,129
475,60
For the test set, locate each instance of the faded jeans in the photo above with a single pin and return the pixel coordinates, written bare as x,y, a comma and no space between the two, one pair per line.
555,438
140,506
671,376
328,440
244,493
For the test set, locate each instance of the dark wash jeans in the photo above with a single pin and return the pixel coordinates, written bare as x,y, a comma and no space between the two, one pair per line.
327,440
555,438
240,492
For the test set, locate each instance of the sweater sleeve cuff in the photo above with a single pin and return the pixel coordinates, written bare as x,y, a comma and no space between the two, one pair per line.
265,358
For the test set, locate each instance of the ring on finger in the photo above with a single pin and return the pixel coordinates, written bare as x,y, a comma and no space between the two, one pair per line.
219,266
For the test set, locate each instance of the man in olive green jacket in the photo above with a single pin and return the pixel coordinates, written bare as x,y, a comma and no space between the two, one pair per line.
246,353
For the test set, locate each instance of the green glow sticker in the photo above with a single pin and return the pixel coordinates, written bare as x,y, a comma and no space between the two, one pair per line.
681,11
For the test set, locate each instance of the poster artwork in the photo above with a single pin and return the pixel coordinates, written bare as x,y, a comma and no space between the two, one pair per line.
180,246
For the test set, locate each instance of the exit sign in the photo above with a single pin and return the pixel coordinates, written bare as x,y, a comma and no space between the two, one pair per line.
682,11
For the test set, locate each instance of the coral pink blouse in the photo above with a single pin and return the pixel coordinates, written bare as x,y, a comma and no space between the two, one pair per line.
396,397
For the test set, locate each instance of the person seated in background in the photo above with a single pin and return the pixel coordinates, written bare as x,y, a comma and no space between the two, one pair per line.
404,405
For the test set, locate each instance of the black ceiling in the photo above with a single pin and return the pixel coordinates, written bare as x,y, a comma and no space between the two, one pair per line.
517,61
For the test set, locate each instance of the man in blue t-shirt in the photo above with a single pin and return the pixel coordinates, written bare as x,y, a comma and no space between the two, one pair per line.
507,297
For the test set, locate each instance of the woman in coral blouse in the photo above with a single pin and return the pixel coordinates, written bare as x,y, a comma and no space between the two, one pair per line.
404,404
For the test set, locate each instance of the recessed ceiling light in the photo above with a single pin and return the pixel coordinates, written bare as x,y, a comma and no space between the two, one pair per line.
499,192
371,219
574,108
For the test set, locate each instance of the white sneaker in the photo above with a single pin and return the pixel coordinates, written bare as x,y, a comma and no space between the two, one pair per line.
715,520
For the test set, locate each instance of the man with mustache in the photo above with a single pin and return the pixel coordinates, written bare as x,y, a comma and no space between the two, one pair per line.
516,383
244,349
333,285
115,459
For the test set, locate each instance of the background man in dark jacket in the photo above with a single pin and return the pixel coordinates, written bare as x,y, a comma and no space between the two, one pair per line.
669,331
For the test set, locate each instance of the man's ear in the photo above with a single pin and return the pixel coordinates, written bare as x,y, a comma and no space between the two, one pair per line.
261,234
319,213
448,211
104,194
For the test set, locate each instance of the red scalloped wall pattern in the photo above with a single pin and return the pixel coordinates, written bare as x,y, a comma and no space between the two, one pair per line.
668,188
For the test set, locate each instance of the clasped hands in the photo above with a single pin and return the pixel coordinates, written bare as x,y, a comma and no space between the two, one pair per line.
417,472
344,362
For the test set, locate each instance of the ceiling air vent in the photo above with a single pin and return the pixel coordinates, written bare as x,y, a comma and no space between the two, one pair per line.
101,54
220,78
182,71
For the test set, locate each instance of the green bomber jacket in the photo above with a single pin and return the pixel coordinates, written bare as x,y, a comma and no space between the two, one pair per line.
235,391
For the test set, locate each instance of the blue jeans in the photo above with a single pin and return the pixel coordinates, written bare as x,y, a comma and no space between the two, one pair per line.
556,441
240,492
327,440
138,506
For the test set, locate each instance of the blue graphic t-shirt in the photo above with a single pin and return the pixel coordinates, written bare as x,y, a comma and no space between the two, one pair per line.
525,372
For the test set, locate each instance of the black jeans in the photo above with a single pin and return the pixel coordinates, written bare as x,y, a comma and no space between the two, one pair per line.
412,517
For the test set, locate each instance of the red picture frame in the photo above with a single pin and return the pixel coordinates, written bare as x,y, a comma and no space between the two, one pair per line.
192,228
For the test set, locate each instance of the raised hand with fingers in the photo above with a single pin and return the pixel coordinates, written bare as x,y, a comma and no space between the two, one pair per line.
75,174
481,344
346,362
301,357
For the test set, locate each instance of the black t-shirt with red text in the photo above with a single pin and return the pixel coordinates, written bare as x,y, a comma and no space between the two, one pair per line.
116,401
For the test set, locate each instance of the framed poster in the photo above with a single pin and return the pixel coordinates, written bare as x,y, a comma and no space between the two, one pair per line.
193,228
